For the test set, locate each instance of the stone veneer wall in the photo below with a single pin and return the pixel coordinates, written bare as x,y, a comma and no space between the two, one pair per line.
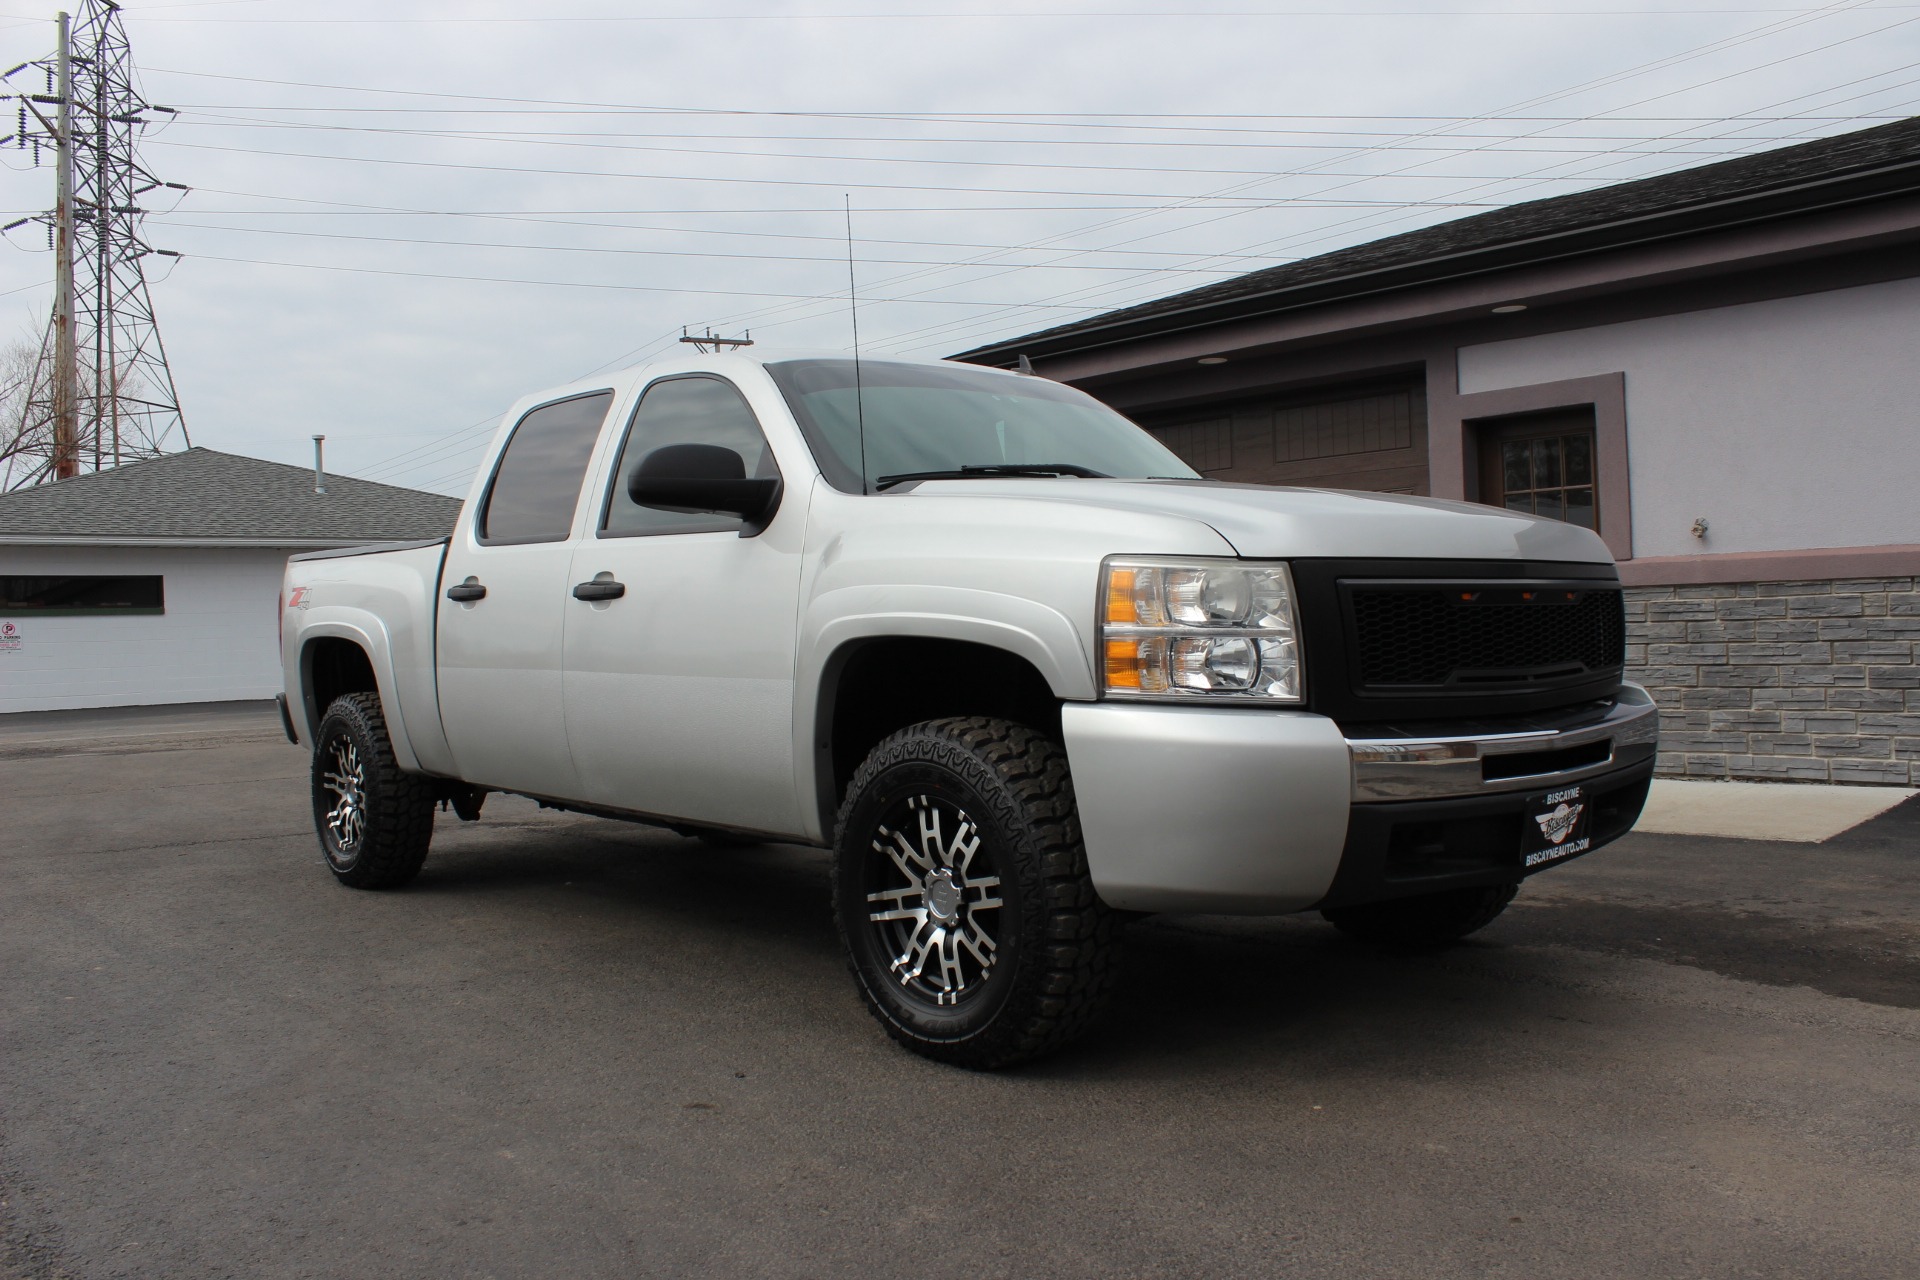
1794,681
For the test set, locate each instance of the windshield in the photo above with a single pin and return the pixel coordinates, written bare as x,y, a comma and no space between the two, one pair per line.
921,418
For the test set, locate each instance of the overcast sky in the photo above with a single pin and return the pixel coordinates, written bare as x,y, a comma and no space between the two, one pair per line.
405,216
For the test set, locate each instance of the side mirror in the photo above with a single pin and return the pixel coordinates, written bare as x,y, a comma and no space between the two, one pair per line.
704,478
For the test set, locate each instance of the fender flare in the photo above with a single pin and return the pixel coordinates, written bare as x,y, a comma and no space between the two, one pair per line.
367,632
1041,636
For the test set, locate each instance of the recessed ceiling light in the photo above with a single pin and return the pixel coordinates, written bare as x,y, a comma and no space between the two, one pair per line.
1213,359
1507,309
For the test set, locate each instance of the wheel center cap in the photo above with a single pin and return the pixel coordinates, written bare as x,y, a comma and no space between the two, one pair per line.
943,897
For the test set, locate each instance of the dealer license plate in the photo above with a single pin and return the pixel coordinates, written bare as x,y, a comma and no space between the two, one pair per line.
1557,827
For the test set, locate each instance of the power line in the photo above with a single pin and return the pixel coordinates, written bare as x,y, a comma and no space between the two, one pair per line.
1402,204
1718,79
583,284
1041,120
1065,121
430,453
777,182
625,253
556,141
1051,15
765,210
1010,119
462,438
536,217
207,118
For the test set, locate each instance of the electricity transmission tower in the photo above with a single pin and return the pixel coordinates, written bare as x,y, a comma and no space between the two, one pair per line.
100,392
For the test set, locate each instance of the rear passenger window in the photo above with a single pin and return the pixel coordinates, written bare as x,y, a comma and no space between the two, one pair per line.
537,483
685,410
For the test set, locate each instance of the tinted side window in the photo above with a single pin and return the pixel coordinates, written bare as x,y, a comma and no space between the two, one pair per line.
691,410
538,480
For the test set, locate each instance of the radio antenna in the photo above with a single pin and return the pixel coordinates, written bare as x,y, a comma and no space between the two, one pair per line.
853,307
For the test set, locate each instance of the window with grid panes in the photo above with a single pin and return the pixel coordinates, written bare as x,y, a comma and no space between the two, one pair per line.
1542,464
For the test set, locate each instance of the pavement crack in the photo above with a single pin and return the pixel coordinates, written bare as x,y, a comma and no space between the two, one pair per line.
191,844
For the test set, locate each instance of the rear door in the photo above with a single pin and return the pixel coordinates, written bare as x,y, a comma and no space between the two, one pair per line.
680,690
502,605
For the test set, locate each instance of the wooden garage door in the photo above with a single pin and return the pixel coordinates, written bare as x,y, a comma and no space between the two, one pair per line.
1361,438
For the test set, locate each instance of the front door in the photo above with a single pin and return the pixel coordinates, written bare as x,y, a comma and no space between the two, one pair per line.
502,606
679,690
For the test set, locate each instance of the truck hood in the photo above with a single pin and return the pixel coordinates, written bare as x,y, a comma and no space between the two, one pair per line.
1264,521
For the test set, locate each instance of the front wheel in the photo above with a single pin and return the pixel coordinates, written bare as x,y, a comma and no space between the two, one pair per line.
1429,920
962,895
374,820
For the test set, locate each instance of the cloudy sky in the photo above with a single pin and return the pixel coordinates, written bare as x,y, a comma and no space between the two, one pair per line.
405,215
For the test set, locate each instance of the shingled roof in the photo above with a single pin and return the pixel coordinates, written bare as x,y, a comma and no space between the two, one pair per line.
203,495
1849,168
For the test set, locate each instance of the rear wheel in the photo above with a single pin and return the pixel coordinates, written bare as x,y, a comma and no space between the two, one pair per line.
962,895
374,820
1429,920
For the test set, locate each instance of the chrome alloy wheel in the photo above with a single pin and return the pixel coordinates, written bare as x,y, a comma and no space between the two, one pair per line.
347,779
938,914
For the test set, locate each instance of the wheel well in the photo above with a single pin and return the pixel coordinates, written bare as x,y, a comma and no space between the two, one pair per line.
878,686
335,667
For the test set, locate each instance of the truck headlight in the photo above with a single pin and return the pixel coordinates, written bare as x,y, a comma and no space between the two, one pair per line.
1215,629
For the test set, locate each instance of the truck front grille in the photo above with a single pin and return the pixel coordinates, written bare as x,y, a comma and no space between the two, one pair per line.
1489,636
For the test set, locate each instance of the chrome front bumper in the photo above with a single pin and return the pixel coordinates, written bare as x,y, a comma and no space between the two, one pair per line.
1522,755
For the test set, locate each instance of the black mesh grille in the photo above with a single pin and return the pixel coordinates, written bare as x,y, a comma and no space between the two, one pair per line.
1483,635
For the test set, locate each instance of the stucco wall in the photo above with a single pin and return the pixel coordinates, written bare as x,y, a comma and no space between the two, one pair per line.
216,641
1788,424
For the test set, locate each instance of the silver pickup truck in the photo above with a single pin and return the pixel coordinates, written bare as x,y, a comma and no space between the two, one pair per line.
1016,664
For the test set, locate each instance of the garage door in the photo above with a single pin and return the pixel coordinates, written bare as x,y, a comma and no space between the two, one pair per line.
1358,438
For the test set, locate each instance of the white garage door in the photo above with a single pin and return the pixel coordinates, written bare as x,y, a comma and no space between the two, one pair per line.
130,626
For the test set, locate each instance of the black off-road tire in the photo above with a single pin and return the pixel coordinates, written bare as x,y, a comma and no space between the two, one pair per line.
1424,922
384,847
1055,954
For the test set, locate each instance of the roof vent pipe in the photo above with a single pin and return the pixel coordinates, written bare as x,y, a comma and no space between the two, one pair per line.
319,464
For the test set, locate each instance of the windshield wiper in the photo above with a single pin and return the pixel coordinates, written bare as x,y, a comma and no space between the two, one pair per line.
990,469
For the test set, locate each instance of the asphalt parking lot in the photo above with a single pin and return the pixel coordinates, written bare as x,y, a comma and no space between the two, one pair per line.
577,1048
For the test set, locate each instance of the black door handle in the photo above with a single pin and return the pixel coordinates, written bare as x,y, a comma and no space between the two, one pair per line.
600,589
466,592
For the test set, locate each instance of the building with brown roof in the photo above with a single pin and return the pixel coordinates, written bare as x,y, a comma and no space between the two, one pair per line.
1717,369
159,581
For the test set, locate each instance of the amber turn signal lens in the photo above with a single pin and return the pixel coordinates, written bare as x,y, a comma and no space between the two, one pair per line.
1120,605
1123,664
